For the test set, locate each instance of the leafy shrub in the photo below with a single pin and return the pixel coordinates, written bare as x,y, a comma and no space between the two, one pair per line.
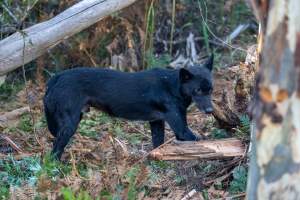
68,194
219,133
239,182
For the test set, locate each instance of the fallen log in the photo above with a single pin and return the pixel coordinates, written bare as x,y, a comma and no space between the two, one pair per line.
37,39
205,149
7,117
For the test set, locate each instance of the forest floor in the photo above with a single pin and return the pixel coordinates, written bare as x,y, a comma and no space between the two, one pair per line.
108,157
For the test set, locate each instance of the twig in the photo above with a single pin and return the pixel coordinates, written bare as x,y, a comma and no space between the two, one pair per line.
138,130
189,195
239,29
212,33
26,89
74,168
90,57
14,145
147,154
233,197
173,25
182,40
17,157
123,146
115,150
28,11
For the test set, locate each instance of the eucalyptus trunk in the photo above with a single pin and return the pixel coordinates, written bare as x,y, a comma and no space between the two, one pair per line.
275,155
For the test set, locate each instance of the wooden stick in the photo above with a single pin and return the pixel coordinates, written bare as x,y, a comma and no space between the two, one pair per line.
12,144
205,149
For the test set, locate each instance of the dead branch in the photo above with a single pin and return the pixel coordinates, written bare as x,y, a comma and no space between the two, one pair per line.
205,149
189,195
41,37
11,143
12,115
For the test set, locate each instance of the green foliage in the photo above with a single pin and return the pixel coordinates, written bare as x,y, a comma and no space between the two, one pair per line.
219,133
89,126
132,138
239,182
243,130
68,194
15,172
218,185
208,168
132,189
152,61
4,191
159,165
7,90
27,170
41,123
179,180
25,123
52,168
205,195
104,194
101,48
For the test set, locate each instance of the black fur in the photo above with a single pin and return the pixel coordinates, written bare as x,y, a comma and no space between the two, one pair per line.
156,95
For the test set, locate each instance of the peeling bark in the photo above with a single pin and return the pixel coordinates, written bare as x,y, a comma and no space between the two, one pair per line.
275,161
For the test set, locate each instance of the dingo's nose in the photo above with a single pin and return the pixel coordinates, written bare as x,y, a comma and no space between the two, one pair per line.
209,110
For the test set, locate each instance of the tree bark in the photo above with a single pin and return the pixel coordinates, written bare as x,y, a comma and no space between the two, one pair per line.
43,36
275,159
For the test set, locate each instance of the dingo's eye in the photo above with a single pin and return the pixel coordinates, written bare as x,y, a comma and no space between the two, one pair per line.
198,91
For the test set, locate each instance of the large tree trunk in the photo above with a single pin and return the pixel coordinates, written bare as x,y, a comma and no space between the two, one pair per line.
275,159
40,37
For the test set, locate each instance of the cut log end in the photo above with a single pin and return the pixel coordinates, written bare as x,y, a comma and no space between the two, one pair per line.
205,149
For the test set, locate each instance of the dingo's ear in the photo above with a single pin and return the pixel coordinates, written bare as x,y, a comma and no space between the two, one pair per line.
185,75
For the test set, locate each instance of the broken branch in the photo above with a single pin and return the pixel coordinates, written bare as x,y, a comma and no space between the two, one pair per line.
206,149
